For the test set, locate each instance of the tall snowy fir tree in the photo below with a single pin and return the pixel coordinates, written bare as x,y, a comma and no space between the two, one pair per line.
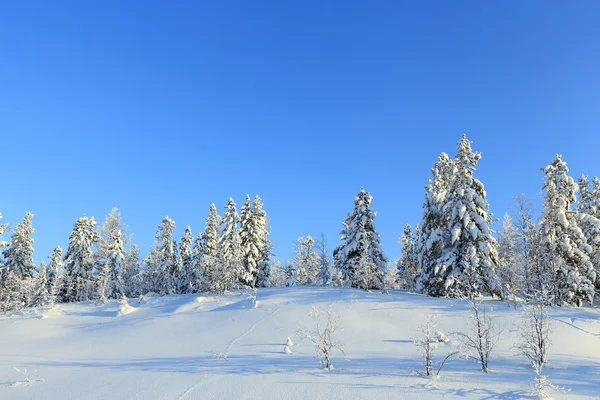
106,233
131,275
253,236
434,234
564,252
407,267
115,261
166,257
79,261
206,257
18,257
229,271
54,270
361,244
589,220
264,265
187,276
469,258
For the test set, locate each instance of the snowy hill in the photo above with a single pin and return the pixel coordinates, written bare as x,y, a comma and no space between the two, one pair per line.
169,347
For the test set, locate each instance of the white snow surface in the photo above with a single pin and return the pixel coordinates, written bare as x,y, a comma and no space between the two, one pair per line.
181,347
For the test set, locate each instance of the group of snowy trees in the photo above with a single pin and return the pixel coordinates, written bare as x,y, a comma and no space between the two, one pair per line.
453,251
232,252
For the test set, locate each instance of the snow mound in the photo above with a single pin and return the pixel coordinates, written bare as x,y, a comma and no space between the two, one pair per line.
125,309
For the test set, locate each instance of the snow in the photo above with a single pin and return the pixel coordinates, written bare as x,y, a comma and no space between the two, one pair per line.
181,347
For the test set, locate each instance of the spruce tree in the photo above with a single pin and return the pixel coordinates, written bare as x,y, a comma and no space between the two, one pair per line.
164,260
18,257
589,220
207,256
324,276
434,234
115,260
407,268
229,269
131,275
564,252
253,235
40,296
186,262
79,261
54,270
361,243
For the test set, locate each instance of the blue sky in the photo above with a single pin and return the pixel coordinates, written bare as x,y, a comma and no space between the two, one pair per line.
161,108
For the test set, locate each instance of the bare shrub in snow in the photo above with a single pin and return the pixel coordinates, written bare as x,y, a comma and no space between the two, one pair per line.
323,337
427,339
533,343
28,378
483,334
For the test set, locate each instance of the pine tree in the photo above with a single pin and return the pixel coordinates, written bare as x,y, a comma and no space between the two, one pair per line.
564,259
18,256
589,220
115,261
229,267
207,256
41,297
407,267
359,236
105,234
54,272
264,265
164,260
460,259
186,262
131,275
434,235
79,261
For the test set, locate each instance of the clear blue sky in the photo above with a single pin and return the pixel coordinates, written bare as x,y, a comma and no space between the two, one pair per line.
161,108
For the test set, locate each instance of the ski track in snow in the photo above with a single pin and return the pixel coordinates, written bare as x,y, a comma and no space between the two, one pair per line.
250,329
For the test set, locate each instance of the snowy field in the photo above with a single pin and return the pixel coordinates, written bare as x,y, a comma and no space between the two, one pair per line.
165,349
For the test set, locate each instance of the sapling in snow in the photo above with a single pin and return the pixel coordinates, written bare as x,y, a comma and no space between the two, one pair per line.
427,340
323,336
483,334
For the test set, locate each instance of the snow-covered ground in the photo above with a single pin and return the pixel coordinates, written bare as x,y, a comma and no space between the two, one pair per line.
165,348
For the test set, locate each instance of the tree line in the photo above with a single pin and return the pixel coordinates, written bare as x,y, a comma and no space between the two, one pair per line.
452,252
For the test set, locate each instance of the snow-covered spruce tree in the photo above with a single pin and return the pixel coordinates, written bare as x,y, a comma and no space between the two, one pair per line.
115,263
407,267
187,275
167,257
103,283
434,234
589,220
131,275
79,261
253,235
54,271
105,235
264,265
510,262
359,235
206,257
367,275
18,256
565,264
468,262
229,269
324,276
40,296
